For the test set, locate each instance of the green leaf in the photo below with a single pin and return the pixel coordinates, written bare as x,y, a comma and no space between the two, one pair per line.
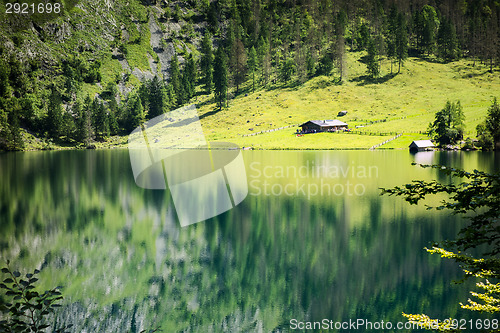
8,280
29,275
17,274
5,270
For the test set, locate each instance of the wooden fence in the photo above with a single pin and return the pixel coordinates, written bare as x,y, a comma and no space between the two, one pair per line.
271,130
383,143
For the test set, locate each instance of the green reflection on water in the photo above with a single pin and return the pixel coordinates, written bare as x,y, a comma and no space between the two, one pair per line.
126,265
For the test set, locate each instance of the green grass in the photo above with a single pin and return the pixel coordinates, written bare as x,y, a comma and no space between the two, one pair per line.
110,68
403,141
285,139
406,101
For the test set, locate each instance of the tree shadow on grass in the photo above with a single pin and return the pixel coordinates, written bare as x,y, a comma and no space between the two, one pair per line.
364,80
473,75
214,111
363,59
431,59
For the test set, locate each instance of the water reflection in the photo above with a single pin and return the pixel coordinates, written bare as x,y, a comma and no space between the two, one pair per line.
126,265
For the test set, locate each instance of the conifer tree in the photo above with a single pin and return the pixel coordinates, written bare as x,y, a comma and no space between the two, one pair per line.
264,59
175,80
172,101
68,128
340,27
287,70
113,116
158,99
364,36
239,63
207,63
447,41
13,129
392,28
54,113
252,64
372,59
134,112
143,93
189,77
401,41
220,78
429,26
491,44
85,131
100,120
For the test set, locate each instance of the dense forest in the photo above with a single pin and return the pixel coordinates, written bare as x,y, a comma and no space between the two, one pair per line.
55,82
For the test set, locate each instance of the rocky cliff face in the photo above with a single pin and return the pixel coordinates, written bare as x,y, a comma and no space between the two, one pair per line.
138,36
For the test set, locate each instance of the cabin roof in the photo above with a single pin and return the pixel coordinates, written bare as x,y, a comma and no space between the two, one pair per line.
326,123
422,143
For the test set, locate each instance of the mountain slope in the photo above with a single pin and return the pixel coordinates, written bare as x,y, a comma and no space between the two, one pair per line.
91,57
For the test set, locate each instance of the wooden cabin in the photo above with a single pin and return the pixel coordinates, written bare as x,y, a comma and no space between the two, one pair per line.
313,126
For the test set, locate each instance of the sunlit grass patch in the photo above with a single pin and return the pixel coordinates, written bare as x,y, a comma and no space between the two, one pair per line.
403,141
286,139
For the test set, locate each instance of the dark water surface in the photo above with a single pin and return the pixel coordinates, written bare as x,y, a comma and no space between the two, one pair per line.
313,240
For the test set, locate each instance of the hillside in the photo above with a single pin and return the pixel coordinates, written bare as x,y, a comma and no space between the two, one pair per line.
123,40
404,103
84,77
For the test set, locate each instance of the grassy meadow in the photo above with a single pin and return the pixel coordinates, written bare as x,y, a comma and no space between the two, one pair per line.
399,103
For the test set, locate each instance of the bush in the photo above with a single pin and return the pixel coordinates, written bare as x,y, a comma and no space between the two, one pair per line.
469,144
123,49
484,138
177,15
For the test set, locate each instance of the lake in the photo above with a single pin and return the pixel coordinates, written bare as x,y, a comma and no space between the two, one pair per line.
312,240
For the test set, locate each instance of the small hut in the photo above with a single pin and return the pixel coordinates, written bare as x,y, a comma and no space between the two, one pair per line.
421,145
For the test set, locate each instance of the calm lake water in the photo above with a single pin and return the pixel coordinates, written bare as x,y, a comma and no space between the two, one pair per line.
312,240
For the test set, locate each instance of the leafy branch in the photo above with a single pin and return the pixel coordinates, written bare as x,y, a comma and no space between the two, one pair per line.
27,309
479,193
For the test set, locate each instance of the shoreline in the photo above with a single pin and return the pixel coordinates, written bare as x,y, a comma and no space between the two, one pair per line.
245,149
